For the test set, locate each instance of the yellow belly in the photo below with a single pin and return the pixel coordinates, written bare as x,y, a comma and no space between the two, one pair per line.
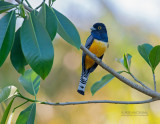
98,48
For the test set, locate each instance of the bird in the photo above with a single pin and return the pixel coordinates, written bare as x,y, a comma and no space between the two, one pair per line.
97,43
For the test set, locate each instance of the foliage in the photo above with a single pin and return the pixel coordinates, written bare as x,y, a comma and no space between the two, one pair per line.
31,45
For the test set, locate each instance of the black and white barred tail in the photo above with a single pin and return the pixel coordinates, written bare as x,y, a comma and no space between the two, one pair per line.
82,83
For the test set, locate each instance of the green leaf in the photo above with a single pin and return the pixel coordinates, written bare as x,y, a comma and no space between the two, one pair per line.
37,46
27,116
4,6
127,61
67,30
30,81
35,12
99,84
17,58
5,115
154,57
7,32
144,51
7,92
22,10
45,16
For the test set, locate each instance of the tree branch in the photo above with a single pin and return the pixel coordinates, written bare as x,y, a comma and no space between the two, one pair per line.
87,102
120,77
148,92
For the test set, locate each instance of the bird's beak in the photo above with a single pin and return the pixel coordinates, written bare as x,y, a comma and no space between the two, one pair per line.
92,28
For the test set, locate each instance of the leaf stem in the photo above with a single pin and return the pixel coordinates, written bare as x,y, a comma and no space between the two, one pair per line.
20,105
154,79
138,80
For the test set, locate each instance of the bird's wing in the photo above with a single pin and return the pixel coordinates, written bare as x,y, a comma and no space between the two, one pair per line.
89,41
87,45
94,66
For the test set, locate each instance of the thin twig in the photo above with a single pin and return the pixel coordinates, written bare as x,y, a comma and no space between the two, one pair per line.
154,82
40,4
89,102
28,4
139,81
98,101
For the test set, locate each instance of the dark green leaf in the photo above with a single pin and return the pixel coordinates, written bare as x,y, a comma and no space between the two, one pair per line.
7,92
35,12
27,116
144,51
154,57
127,61
7,32
30,81
17,58
67,30
99,84
37,46
4,6
48,19
5,115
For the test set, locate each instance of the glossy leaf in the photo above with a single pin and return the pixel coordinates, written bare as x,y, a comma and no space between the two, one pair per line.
67,30
30,81
17,58
154,57
7,32
127,61
37,46
4,6
5,115
144,51
27,116
99,84
7,92
48,19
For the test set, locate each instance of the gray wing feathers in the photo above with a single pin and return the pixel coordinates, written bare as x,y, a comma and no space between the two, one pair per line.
87,45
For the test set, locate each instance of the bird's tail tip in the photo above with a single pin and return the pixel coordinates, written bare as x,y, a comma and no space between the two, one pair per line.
81,92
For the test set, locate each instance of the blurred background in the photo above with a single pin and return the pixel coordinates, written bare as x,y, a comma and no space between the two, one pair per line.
129,24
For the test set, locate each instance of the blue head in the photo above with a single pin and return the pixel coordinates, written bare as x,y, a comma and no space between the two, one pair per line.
99,32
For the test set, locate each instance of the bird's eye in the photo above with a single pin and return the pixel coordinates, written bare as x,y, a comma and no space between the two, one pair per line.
99,27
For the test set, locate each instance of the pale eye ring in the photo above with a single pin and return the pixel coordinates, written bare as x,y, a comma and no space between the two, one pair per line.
99,27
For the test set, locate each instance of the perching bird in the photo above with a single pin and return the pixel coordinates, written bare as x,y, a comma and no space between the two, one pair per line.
97,43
